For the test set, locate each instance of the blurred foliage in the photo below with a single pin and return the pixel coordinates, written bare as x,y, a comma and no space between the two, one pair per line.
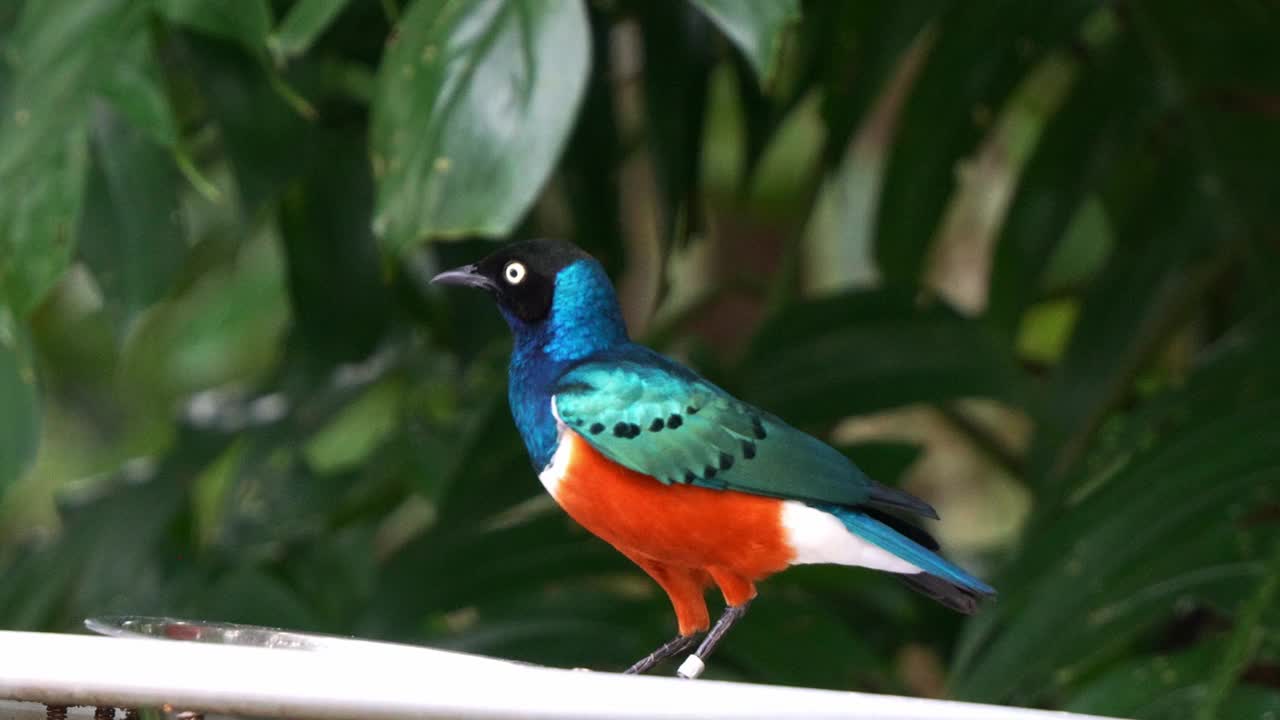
226,392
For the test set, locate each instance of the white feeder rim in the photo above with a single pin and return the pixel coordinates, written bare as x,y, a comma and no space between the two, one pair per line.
377,681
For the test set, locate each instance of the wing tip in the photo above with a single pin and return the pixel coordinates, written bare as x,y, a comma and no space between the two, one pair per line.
888,498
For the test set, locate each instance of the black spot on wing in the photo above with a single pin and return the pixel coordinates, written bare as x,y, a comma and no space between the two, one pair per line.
708,472
692,410
596,428
675,421
726,461
656,425
626,430
748,449
758,428
689,477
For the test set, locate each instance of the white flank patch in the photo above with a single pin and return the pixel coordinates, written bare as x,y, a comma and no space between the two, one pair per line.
819,537
555,470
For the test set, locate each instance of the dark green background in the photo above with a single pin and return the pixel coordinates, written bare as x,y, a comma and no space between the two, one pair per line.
1020,256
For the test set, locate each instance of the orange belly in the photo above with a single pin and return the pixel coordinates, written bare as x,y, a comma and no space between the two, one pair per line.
683,536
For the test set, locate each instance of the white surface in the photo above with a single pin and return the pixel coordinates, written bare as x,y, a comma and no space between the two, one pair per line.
372,681
820,537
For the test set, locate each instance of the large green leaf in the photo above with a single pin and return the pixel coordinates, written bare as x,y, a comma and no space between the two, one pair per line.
678,61
339,299
1222,76
1111,101
1163,524
474,102
980,53
246,22
1152,280
265,139
1113,566
130,233
19,403
755,26
58,59
135,88
1169,687
866,351
864,42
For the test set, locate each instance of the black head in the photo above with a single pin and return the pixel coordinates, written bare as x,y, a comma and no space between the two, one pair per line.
520,276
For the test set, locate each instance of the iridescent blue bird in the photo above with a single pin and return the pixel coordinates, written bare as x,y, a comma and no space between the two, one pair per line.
693,485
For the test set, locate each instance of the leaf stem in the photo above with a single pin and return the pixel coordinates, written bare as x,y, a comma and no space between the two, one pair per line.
1244,640
295,100
188,168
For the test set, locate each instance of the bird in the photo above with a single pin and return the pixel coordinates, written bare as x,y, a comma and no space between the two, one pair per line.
693,485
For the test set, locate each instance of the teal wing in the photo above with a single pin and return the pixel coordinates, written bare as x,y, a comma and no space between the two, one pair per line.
656,417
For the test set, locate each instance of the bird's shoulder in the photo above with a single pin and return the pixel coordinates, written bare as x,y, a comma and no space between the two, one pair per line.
654,415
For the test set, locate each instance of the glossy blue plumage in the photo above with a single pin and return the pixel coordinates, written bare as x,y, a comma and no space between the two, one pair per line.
585,319
653,415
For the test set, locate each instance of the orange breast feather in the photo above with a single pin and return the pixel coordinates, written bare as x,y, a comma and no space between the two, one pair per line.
680,534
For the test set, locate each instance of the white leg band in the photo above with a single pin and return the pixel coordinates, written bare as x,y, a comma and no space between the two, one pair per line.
691,668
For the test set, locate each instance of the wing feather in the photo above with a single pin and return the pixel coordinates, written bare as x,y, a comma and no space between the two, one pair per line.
656,417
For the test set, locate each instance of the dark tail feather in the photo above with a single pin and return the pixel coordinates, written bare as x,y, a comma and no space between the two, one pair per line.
915,533
957,597
887,498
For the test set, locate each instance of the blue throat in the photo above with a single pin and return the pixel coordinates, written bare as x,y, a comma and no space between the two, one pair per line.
584,319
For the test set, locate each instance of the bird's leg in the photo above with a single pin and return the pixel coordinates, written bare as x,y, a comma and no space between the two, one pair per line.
693,665
675,646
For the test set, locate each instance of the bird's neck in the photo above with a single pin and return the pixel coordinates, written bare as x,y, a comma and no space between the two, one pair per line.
585,319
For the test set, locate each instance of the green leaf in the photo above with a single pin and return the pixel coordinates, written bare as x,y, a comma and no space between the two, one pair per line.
130,234
474,103
821,648
19,403
265,139
248,595
678,62
1113,566
245,22
755,26
306,20
1245,640
1154,277
1168,687
864,351
865,43
136,90
1164,521
1222,77
1111,101
339,298
58,60
225,328
980,53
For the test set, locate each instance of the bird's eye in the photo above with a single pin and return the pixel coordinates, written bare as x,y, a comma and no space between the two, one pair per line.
514,272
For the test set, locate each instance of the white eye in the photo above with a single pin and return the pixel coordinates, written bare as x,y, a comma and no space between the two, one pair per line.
514,272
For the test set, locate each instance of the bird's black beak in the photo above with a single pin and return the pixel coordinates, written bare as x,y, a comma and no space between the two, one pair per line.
465,276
